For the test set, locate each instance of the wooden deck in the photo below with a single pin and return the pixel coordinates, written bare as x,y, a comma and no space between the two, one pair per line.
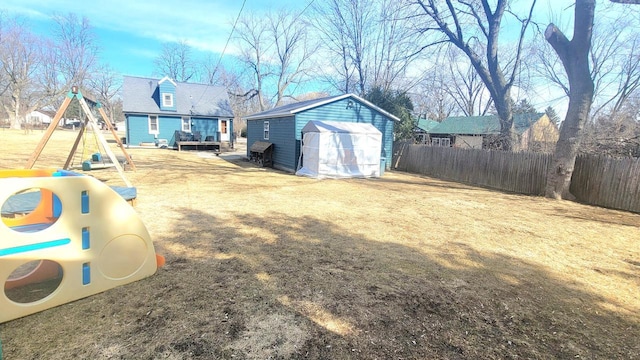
199,145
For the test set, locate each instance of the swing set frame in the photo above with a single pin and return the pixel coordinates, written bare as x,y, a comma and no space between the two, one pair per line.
91,121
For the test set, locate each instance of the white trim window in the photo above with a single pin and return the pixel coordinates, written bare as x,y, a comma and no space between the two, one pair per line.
167,99
154,125
266,130
186,124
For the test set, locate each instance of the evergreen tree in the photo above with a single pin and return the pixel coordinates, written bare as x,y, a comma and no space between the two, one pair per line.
553,116
524,107
397,103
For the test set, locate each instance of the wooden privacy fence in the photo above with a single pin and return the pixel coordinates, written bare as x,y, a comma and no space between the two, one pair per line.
597,180
608,182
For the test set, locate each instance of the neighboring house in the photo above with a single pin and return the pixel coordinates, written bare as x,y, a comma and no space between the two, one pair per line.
40,118
283,125
155,109
535,132
423,129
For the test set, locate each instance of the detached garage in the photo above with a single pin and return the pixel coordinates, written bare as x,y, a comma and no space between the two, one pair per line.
283,126
340,149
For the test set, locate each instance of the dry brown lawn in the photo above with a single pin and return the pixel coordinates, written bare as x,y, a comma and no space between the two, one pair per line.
266,265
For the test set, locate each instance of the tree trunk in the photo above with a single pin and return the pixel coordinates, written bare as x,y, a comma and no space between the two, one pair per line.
574,55
564,157
14,116
508,140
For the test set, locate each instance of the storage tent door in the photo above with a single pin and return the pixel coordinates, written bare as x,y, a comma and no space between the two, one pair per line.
341,153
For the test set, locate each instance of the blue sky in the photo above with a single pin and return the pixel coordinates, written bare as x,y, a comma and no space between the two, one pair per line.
131,33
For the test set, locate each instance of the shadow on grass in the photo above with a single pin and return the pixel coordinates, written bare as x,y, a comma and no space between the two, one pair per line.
355,297
248,287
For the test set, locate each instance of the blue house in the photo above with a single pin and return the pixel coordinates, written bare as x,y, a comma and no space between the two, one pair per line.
282,126
160,110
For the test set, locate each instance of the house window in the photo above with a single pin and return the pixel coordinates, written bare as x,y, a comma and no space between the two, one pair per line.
186,124
266,130
223,126
443,142
167,100
154,127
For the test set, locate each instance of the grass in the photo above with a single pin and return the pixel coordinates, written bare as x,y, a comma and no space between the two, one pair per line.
263,264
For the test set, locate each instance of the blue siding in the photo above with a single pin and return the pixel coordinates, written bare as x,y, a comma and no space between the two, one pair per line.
281,133
285,133
337,111
138,128
206,126
168,126
254,132
166,87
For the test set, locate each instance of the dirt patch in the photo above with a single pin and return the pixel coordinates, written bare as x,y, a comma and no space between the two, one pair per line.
262,264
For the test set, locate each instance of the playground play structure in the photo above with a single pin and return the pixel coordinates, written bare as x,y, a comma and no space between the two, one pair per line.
65,236
89,122
81,239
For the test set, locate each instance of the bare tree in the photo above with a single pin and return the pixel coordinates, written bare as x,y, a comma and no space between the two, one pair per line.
466,88
252,36
626,77
176,61
430,96
274,49
4,79
38,70
210,70
369,43
616,135
76,49
21,56
614,62
292,51
393,46
105,84
432,99
574,55
343,26
472,26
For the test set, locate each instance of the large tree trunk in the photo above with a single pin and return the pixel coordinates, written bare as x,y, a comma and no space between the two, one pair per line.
574,55
508,140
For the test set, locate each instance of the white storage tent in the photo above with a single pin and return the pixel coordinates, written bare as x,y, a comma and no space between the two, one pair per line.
333,149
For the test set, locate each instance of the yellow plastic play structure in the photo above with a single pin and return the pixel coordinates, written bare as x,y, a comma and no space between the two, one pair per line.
80,239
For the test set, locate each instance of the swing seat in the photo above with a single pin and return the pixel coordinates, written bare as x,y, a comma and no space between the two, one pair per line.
86,165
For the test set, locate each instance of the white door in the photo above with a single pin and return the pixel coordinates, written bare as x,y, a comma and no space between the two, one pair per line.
223,127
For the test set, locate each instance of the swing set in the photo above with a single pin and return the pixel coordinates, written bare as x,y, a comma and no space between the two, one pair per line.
91,154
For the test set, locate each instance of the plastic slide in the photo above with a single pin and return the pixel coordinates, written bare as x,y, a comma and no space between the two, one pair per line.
81,238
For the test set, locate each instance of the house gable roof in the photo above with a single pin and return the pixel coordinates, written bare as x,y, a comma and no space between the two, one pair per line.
483,125
166,78
292,109
49,113
140,95
426,124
